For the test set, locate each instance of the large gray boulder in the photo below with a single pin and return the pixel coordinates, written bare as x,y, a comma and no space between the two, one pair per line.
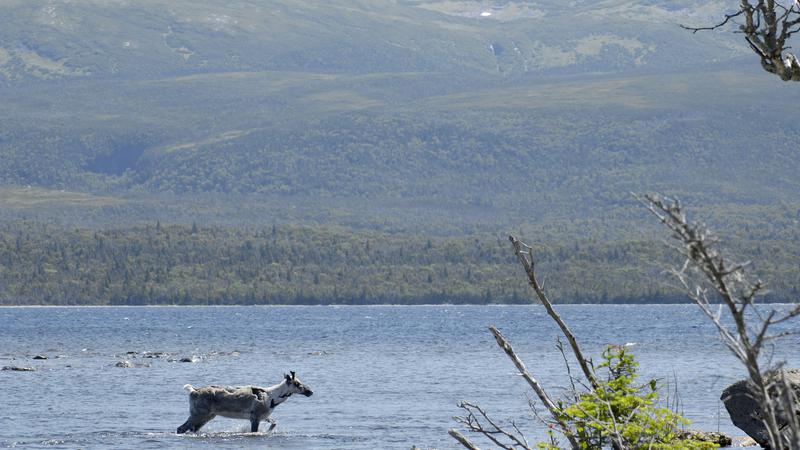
744,410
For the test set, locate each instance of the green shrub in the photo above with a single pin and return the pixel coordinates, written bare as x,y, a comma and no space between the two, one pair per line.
619,413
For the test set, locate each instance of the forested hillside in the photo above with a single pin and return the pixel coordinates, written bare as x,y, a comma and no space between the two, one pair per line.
419,103
158,264
411,120
558,148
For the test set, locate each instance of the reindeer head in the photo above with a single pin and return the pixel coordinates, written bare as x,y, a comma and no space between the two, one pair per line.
296,386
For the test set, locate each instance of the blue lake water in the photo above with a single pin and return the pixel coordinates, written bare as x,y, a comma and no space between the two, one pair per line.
384,377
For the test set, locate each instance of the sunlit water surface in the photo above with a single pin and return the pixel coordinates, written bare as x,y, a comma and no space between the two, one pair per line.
383,377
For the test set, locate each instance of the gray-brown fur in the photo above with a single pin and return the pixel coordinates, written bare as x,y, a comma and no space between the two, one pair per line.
252,403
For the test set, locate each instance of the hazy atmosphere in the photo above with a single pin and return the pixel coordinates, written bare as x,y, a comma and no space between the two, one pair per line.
356,153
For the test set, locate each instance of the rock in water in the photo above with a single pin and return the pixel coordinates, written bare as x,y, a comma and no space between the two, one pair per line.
19,369
40,357
129,365
744,410
745,442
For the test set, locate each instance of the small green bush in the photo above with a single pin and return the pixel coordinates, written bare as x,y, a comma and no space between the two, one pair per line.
622,414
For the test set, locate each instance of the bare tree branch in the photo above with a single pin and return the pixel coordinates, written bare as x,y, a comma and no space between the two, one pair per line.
728,18
462,440
768,26
524,254
737,295
534,384
478,420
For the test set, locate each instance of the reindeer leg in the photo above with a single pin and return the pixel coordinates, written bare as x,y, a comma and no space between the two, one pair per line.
185,427
203,420
272,424
194,423
254,424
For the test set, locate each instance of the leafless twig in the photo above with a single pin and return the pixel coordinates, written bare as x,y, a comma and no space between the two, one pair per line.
478,421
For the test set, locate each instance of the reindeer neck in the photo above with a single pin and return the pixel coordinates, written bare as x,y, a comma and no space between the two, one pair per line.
278,394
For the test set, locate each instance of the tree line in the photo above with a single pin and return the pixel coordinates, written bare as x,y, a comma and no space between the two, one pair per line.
181,264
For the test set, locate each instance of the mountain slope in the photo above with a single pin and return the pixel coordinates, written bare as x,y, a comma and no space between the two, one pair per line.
425,106
144,39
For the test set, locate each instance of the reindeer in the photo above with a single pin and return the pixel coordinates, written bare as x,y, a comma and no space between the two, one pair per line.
244,402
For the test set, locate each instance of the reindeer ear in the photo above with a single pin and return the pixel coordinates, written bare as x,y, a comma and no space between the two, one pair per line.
288,378
293,377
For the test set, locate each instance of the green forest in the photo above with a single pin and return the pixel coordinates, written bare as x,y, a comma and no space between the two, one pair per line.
155,264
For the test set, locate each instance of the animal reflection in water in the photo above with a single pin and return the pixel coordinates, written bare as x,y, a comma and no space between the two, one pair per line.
252,403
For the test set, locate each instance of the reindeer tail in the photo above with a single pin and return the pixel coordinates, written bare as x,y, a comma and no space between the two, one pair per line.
189,388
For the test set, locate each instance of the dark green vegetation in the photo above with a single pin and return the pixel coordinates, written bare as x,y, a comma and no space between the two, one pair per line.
279,264
414,120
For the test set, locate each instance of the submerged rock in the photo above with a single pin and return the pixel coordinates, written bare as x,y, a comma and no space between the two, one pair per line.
129,365
744,410
190,359
19,369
